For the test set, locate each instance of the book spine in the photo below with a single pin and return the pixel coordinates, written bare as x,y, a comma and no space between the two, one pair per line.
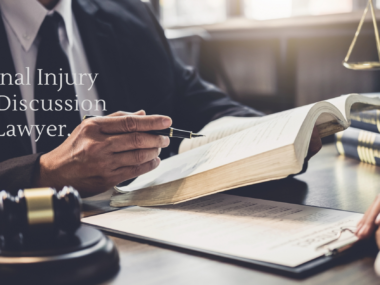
366,120
359,144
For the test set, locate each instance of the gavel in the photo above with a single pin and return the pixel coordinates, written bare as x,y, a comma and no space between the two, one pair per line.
39,212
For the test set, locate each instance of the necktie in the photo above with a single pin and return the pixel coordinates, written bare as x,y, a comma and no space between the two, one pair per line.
52,60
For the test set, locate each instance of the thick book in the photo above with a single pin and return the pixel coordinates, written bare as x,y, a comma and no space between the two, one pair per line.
360,144
366,120
241,151
281,237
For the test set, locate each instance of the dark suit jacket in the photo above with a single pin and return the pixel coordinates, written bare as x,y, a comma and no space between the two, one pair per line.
137,70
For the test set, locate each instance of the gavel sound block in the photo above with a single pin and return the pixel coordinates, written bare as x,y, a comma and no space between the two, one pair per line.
42,240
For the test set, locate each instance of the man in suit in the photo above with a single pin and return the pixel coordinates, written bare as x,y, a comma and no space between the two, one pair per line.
113,52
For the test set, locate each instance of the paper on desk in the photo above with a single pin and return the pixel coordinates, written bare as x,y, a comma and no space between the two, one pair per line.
275,232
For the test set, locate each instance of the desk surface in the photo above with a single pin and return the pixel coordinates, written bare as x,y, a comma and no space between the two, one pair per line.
331,181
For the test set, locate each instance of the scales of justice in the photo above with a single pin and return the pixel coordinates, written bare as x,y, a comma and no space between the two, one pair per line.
365,65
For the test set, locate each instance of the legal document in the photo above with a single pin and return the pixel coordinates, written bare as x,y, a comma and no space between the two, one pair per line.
248,228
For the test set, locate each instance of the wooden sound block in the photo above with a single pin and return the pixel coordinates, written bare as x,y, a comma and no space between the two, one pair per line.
88,255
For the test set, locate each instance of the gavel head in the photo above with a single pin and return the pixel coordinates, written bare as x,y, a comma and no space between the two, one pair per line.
39,212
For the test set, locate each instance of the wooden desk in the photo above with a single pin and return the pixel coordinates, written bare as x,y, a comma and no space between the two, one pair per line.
331,181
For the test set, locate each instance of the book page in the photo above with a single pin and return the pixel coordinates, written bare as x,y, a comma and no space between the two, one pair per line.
221,128
272,134
229,125
347,103
340,103
248,228
226,122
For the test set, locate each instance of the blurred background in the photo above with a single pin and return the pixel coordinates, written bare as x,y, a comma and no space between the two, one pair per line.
273,54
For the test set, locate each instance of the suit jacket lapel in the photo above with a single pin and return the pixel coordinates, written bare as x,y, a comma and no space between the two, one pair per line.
11,91
102,53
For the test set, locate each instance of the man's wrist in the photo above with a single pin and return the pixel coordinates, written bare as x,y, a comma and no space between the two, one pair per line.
41,178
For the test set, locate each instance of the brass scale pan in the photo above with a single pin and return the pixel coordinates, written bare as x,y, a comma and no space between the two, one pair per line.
365,65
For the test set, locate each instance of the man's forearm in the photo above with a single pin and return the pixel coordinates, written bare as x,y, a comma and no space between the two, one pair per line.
237,111
19,173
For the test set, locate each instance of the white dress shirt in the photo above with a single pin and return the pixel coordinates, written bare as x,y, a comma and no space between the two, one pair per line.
22,19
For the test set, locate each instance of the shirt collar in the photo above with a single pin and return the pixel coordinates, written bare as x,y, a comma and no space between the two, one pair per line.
26,16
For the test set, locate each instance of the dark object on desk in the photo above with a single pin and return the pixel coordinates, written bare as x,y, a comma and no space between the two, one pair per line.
86,255
360,144
38,214
42,240
170,132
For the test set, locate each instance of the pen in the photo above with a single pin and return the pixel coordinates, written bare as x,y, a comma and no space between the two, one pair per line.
170,132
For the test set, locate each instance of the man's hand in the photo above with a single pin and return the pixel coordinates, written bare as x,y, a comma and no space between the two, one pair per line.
315,144
370,222
103,152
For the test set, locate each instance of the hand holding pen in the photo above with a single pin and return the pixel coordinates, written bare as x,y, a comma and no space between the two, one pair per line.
105,151
170,132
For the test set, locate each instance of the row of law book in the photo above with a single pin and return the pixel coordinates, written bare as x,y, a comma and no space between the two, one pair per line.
362,139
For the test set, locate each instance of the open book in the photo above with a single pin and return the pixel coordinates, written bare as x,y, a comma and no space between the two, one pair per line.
241,151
